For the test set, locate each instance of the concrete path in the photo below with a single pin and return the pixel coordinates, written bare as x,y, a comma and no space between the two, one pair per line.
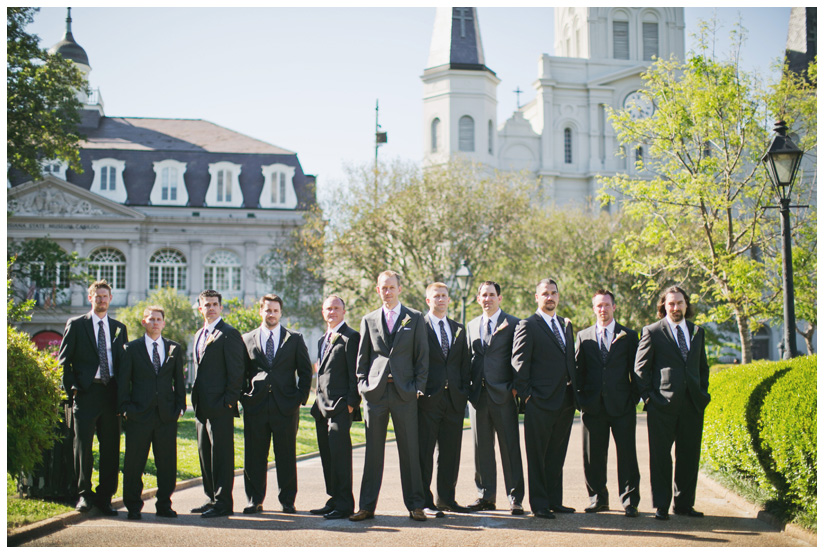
728,520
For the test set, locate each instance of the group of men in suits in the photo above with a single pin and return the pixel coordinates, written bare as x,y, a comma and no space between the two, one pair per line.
418,369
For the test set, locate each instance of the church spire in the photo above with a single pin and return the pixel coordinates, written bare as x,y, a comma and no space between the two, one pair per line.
456,40
68,47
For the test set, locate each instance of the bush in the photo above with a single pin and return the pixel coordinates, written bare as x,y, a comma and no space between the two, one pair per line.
32,397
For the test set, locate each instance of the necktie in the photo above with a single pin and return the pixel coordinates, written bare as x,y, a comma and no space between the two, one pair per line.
270,349
101,353
202,343
390,320
155,357
445,344
604,346
556,333
324,346
489,335
680,337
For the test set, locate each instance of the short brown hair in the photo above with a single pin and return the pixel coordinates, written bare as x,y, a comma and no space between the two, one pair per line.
390,273
271,298
484,284
547,282
605,292
343,304
660,306
154,308
436,285
210,293
99,284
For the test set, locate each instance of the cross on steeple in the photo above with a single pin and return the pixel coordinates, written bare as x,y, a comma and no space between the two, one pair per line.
461,15
518,92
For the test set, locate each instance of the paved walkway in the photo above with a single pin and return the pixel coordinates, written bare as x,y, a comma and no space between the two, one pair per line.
728,522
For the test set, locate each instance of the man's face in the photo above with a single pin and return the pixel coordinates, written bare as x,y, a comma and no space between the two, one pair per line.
438,299
547,298
271,314
603,307
489,299
100,300
153,323
388,289
210,308
333,312
676,306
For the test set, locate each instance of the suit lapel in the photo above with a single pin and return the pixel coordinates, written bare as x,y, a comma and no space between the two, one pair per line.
145,354
546,327
669,334
90,327
282,339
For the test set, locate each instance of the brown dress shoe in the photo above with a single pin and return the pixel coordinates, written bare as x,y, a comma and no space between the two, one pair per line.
418,514
362,515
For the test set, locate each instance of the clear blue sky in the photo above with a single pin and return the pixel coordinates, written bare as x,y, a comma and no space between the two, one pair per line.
306,79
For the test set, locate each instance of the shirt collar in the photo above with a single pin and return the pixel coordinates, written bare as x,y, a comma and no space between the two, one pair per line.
673,326
435,320
96,319
494,317
610,327
149,342
211,327
396,310
265,332
336,328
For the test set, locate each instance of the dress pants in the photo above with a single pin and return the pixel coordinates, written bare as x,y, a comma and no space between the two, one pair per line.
94,412
405,422
216,451
335,447
162,438
596,430
546,435
265,426
680,423
489,419
439,423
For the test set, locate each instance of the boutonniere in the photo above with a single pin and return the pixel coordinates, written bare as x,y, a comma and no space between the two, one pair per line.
334,337
619,336
456,334
695,331
171,350
501,327
405,321
210,338
567,322
117,333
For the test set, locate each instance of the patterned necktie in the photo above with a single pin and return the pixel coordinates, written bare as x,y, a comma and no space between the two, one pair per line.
155,357
270,349
445,344
604,346
390,320
680,337
557,334
202,343
101,353
488,336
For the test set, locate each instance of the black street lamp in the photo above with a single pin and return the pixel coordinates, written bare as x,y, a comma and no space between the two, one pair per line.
781,161
464,278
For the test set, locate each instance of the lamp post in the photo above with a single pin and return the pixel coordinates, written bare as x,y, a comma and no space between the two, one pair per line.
464,277
781,161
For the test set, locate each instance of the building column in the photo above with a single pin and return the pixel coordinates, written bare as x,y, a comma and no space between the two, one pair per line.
249,273
78,293
195,257
137,265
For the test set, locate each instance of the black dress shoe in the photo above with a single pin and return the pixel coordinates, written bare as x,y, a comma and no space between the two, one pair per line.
418,514
597,507
326,509
688,512
106,509
288,509
134,515
661,514
253,508
454,508
335,514
482,505
562,509
544,513
433,512
83,505
516,509
631,511
217,511
166,513
203,508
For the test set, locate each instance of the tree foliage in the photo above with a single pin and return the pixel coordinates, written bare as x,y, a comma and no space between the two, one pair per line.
700,194
42,109
182,321
42,265
242,318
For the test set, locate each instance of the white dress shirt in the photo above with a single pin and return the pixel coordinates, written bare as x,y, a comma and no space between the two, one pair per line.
264,337
159,341
106,332
610,332
435,320
485,319
559,325
683,325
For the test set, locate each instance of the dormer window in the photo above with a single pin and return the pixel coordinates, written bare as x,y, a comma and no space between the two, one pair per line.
224,187
56,168
278,191
169,188
108,179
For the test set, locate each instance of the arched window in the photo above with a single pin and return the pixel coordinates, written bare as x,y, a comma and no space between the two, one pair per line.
621,40
568,145
650,40
167,268
434,130
466,134
109,264
169,188
490,131
222,272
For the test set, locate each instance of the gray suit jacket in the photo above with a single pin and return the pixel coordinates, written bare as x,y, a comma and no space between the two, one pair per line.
492,364
403,353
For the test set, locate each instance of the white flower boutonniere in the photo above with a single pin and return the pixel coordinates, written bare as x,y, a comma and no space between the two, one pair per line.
117,333
456,334
501,327
334,337
619,336
405,321
210,339
695,331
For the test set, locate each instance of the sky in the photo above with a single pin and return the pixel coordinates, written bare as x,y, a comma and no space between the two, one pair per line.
307,79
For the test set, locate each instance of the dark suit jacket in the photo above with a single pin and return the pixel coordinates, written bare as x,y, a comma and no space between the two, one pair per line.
613,380
663,375
494,364
140,390
287,380
219,375
542,368
337,382
78,351
403,353
455,369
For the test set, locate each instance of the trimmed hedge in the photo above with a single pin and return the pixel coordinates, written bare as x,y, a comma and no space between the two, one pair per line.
760,428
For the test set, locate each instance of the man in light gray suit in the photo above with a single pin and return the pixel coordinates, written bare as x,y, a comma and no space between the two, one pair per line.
392,373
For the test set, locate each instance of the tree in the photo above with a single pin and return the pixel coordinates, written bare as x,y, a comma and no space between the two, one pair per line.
699,192
182,321
241,317
42,109
42,270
